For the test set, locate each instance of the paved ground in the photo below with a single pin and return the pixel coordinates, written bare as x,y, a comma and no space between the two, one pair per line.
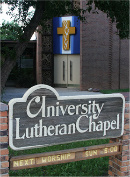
13,92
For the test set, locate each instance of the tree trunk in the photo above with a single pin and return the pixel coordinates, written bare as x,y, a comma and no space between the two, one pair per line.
21,46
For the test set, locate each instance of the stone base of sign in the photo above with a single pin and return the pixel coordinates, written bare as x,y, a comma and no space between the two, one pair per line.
4,152
119,165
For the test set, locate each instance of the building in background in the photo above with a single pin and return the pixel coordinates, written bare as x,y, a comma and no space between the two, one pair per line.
94,57
24,72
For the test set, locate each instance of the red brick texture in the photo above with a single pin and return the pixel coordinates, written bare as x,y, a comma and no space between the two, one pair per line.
4,152
119,165
104,57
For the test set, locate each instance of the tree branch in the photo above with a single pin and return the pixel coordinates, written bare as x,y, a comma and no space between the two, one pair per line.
30,28
21,45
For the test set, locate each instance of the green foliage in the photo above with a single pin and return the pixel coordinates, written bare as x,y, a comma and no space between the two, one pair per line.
10,31
118,11
90,167
61,8
115,91
52,9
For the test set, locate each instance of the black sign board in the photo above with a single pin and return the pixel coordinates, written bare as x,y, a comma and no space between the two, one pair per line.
43,118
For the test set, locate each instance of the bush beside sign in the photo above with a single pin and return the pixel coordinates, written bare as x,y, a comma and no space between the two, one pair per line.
43,118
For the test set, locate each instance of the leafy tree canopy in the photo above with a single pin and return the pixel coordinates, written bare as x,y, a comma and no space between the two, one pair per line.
117,10
51,9
10,31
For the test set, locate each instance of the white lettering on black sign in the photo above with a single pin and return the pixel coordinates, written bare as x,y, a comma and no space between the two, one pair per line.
43,118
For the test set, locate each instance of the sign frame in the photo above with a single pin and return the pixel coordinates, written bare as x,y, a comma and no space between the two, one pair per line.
34,88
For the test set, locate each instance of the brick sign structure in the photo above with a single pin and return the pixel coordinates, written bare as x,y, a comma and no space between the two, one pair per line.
43,118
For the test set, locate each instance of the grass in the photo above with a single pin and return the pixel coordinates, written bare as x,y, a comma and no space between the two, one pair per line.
90,167
115,91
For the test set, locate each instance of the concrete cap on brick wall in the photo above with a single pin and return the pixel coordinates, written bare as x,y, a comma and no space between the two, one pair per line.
3,107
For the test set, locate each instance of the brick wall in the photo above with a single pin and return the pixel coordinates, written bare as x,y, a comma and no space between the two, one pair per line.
4,152
119,165
124,64
104,60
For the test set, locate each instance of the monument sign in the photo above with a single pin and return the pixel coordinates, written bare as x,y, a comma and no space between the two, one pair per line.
43,118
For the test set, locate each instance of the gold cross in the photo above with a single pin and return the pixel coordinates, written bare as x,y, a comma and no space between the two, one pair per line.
66,30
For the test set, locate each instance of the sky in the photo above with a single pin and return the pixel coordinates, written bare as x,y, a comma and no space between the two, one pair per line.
4,16
7,18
